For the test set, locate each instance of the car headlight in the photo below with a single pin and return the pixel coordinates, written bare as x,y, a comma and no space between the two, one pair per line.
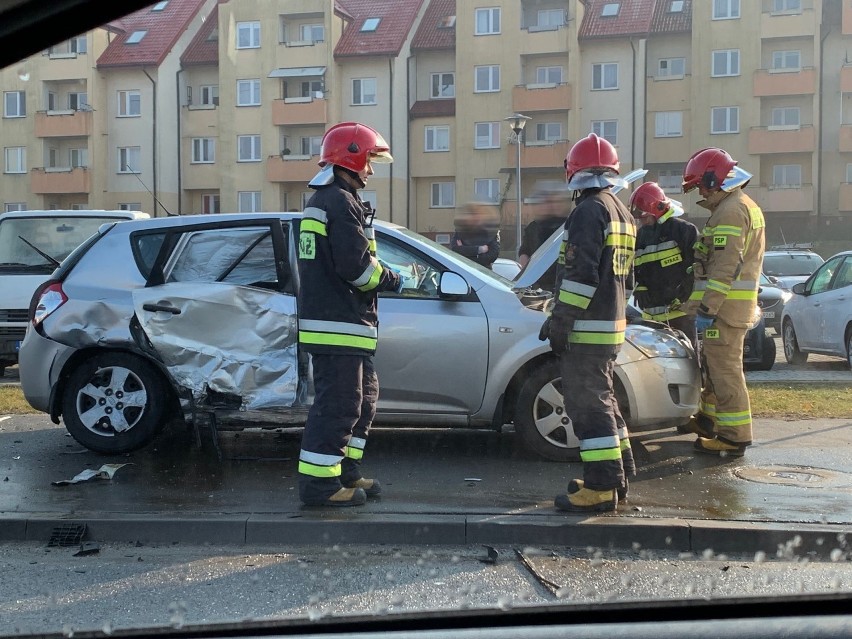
655,343
785,296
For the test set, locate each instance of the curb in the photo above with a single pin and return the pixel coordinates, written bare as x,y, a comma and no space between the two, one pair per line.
698,537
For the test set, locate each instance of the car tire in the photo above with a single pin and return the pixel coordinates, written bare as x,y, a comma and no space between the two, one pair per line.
91,403
768,354
791,345
849,346
540,418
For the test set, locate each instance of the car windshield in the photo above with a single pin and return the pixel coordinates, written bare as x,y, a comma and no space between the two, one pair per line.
791,264
293,394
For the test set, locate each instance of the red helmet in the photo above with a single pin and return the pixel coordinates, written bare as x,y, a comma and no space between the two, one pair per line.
708,168
591,152
649,199
350,145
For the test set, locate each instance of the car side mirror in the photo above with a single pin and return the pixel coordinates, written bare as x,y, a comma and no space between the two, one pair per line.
799,289
453,285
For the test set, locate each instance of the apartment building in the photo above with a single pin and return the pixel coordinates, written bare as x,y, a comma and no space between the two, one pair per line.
221,106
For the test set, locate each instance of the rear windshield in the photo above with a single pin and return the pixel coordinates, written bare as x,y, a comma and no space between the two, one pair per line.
791,264
53,236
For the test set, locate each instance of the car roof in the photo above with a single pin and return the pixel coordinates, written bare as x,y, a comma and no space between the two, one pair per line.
130,215
202,218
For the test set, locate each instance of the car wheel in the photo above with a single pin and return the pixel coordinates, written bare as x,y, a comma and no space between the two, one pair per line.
849,346
767,357
791,346
540,417
114,403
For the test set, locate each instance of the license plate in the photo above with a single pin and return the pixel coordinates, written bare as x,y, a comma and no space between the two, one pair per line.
769,315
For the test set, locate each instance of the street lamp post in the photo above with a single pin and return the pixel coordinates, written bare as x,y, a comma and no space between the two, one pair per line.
518,121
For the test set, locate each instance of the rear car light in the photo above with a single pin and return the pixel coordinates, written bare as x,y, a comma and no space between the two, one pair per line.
46,299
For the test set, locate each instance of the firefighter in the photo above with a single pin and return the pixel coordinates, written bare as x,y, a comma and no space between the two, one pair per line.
340,278
586,327
663,264
728,258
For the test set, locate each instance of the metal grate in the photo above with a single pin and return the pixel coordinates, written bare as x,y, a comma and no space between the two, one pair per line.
67,535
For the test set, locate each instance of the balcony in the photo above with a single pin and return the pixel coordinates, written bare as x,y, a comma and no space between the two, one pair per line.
768,83
299,111
788,25
542,97
534,155
200,121
845,199
768,140
63,124
291,168
775,200
60,180
535,40
846,78
845,141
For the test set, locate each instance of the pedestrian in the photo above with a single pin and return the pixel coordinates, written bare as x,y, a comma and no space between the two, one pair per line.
586,327
551,208
477,233
728,258
340,277
663,264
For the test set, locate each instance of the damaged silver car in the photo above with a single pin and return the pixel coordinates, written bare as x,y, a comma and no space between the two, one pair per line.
195,318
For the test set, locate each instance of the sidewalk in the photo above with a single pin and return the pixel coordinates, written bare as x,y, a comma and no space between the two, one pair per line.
792,492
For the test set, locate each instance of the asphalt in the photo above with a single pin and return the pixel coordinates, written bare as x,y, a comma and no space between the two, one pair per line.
790,495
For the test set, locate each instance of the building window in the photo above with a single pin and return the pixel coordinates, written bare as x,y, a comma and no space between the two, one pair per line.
487,21
487,190
787,176
548,75
370,25
549,19
311,89
548,131
363,91
726,63
605,76
726,9
160,5
14,104
786,6
210,203
849,173
786,61
203,150
311,145
671,68
486,79
130,206
248,201
607,129
248,35
16,159
312,33
668,124
79,45
129,104
443,195
248,92
78,101
443,85
15,206
135,37
786,118
437,138
487,135
129,159
610,9
209,94
670,180
248,148
725,120
79,158
676,6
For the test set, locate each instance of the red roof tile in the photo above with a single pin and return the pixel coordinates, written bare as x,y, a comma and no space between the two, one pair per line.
634,18
667,21
432,108
397,18
431,35
163,29
203,49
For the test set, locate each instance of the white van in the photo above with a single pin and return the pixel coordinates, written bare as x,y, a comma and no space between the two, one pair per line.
32,244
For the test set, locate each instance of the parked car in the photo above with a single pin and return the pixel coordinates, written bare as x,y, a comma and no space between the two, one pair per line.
771,299
786,267
32,243
818,317
198,315
759,349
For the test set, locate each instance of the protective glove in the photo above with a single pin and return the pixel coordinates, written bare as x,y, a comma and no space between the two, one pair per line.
703,321
544,331
558,334
399,282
